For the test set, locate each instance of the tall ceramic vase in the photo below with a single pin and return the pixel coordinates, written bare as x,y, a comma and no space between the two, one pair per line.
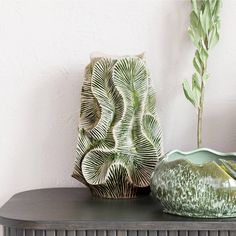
119,138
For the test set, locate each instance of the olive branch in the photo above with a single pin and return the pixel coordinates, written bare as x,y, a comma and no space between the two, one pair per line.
204,32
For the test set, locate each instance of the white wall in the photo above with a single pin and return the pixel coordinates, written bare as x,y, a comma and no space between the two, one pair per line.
44,47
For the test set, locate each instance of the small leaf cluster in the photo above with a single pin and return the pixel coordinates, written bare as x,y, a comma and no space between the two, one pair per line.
204,32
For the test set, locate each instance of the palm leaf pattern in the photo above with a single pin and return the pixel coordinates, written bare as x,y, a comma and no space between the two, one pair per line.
119,139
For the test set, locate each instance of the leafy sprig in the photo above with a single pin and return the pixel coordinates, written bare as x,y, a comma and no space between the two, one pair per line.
204,33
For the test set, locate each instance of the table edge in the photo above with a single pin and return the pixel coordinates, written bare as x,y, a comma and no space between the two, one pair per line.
118,225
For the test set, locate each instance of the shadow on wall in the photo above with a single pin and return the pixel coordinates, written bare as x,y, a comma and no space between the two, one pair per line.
220,123
49,132
172,65
217,123
176,50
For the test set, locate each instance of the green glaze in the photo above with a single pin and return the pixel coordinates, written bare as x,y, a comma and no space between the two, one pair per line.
201,183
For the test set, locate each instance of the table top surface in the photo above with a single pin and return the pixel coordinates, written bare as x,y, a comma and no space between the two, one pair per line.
75,208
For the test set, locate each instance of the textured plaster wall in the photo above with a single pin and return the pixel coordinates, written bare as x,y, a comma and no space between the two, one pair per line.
44,47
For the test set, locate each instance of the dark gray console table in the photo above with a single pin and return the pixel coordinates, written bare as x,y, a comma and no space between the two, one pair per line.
74,212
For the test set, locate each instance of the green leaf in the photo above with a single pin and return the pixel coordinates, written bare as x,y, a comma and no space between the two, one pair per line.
196,66
197,62
205,77
212,5
195,82
195,6
194,37
194,20
200,57
203,55
207,17
217,7
214,37
196,88
202,21
188,92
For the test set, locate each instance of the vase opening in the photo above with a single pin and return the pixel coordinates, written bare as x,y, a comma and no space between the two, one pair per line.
199,156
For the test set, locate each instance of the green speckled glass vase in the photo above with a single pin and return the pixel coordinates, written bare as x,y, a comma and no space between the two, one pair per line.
201,183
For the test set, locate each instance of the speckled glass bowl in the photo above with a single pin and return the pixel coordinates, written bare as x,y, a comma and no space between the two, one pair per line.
201,183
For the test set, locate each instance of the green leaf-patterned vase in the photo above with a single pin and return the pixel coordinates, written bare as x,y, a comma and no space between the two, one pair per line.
119,137
201,183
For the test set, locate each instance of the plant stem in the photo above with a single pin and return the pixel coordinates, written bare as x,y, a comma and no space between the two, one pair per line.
201,102
200,117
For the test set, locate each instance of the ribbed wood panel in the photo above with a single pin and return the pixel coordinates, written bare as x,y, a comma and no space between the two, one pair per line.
162,233
142,233
152,233
193,232
173,233
12,232
61,233
70,233
39,232
213,233
28,232
50,233
101,233
232,233
122,233
113,233
223,233
203,233
9,231
132,233
6,231
183,233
